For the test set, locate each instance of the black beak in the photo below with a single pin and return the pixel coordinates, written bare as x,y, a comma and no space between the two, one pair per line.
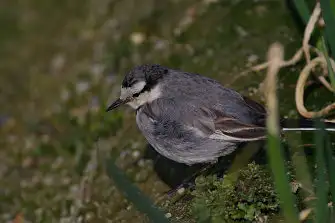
116,104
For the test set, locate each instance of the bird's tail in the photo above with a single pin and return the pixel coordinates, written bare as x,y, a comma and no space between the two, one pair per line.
304,125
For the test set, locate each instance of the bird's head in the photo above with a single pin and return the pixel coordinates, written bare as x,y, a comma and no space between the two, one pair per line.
140,86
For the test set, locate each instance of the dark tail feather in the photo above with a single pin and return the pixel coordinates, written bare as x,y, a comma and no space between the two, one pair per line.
304,125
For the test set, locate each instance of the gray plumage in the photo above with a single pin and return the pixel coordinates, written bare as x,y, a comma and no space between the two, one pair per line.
187,117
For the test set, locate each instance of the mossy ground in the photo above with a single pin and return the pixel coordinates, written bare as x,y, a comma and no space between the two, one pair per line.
251,197
62,62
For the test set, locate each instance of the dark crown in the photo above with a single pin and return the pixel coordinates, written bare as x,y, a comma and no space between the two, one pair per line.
149,72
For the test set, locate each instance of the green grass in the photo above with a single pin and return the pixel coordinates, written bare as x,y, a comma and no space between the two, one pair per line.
133,194
321,210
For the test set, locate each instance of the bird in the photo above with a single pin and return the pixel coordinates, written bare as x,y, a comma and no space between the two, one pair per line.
190,118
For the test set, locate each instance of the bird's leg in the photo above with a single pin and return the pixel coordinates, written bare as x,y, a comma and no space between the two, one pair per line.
187,183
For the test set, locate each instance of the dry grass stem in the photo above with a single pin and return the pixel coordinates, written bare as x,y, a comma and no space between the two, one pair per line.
319,60
303,215
275,57
309,30
299,93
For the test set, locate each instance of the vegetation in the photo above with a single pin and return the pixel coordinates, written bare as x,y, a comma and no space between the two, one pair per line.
251,197
61,64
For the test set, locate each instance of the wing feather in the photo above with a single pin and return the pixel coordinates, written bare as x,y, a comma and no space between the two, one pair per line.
238,131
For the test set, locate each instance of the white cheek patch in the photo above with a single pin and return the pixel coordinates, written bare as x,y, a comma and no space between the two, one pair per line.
146,97
127,92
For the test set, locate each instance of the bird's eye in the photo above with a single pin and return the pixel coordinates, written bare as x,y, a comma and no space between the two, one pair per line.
129,82
132,81
136,95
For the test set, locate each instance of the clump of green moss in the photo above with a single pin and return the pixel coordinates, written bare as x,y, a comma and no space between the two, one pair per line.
250,197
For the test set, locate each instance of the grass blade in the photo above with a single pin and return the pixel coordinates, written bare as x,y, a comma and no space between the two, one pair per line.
331,72
133,194
329,19
281,180
330,164
321,186
274,150
302,10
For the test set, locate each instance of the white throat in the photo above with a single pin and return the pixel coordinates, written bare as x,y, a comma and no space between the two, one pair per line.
143,98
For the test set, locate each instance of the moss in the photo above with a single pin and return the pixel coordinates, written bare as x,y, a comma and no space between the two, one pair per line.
252,196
